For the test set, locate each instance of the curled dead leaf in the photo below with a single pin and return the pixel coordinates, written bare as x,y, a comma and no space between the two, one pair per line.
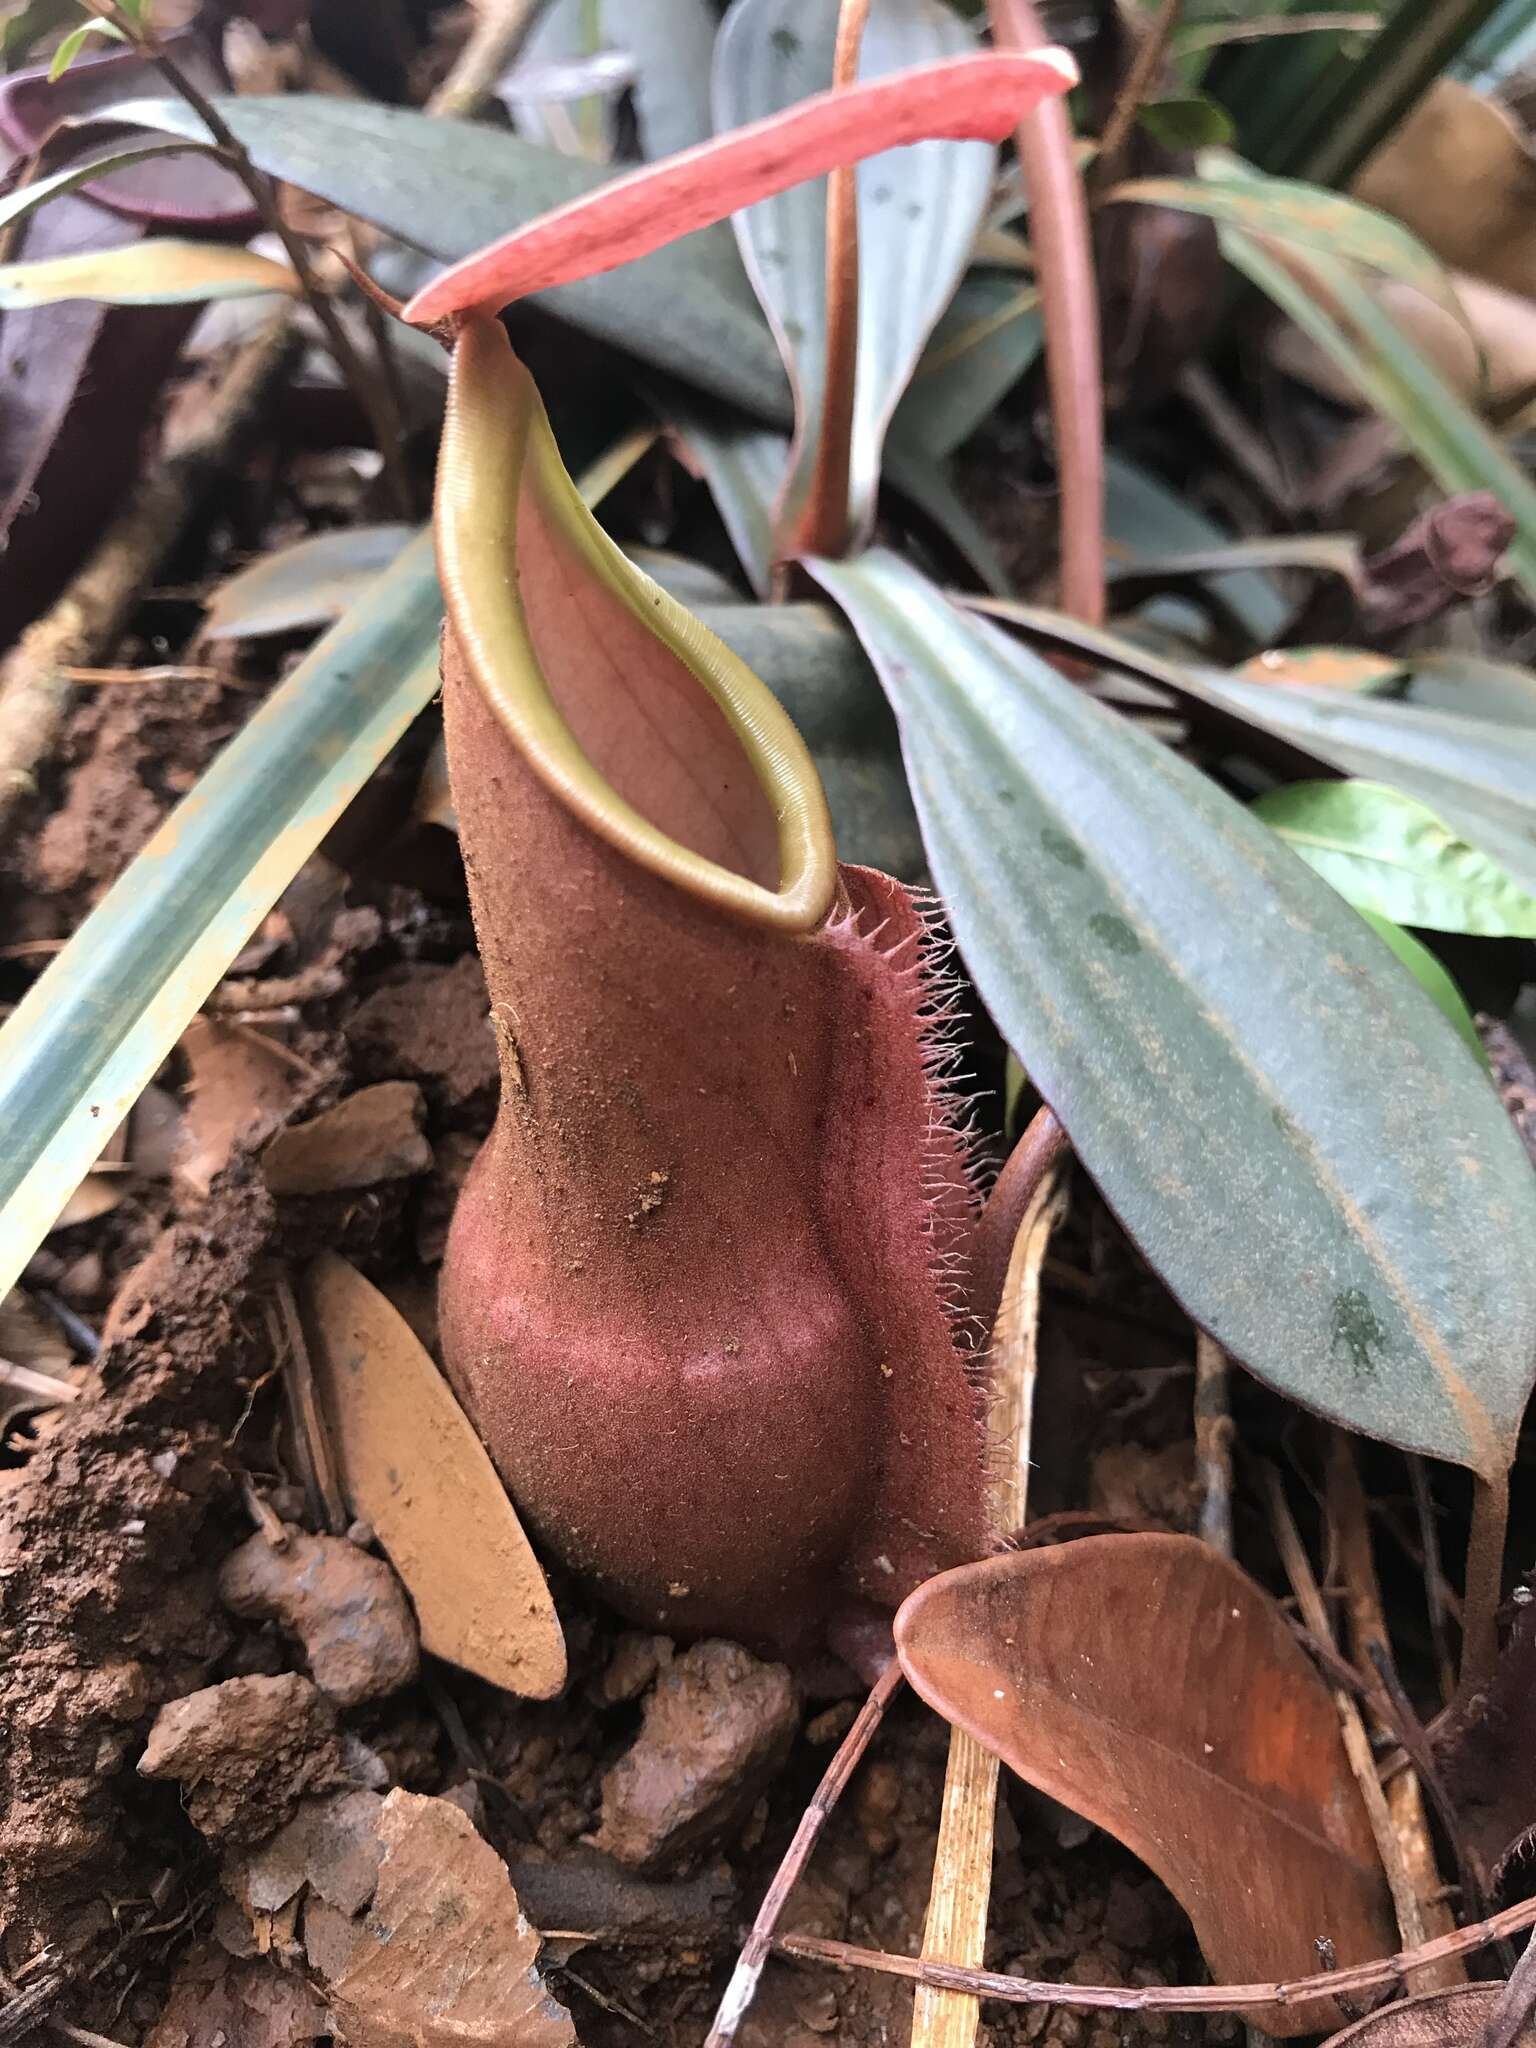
414,1468
240,1087
1440,2019
1150,1685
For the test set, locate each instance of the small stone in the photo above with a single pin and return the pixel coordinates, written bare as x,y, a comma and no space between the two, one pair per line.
831,1724
635,1661
876,1803
244,1753
718,1723
346,1607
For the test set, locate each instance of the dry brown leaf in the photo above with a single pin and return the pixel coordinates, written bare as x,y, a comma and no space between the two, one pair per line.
97,1195
374,1135
413,1467
28,1337
1150,1685
239,1088
1458,171
444,1958
217,2001
1440,2019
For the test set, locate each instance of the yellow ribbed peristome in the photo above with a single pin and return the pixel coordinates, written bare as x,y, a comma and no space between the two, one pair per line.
497,443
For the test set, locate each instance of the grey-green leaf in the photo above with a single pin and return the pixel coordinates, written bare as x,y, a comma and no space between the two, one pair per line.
1292,1132
989,336
918,213
307,584
1389,853
448,187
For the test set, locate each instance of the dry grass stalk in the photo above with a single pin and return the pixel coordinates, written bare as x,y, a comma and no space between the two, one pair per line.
956,1927
1357,1744
1366,1622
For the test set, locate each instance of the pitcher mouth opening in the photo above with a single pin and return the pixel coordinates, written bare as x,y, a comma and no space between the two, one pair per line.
647,727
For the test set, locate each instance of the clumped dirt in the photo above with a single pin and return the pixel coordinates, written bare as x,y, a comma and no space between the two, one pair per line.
243,1751
108,1553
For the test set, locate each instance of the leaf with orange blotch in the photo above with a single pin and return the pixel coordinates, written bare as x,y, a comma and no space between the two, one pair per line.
413,1467
979,98
1150,1685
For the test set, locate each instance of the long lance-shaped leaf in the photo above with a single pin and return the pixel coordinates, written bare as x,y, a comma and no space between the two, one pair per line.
966,99
1479,774
84,170
93,1029
1301,215
160,272
1255,1082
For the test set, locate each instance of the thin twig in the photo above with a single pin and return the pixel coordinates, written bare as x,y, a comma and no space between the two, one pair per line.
87,617
1387,1970
1138,83
1414,1737
955,1926
822,527
1058,231
1213,1444
1368,1643
1357,1745
372,390
82,2036
742,1988
493,45
311,1437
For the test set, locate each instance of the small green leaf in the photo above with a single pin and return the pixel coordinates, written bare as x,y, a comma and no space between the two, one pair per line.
1431,977
161,272
1252,1091
1190,121
1389,853
74,43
